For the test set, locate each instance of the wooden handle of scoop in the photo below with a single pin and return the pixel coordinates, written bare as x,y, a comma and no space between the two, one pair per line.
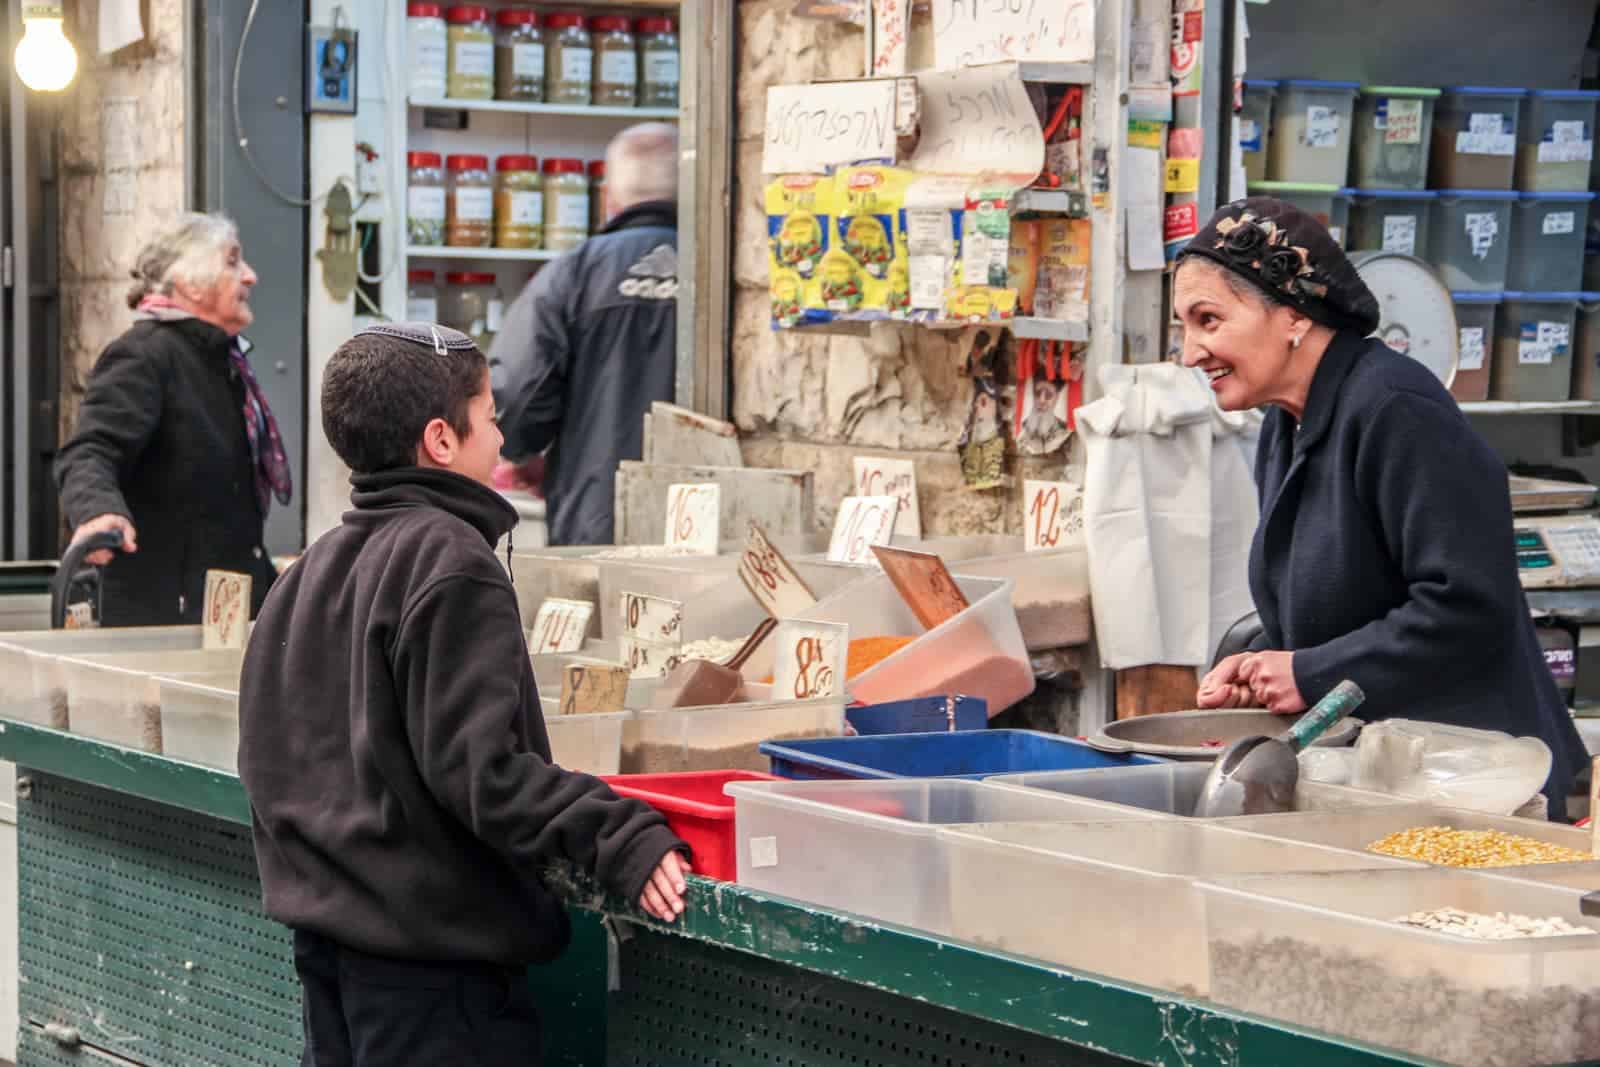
753,642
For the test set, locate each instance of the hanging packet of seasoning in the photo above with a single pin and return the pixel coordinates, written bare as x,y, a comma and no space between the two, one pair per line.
1022,268
799,233
1061,290
870,230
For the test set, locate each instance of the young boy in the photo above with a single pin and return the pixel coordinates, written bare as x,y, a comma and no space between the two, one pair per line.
391,741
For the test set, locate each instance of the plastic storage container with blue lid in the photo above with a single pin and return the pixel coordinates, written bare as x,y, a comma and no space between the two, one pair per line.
1547,238
1390,220
1328,204
1393,125
1533,343
1469,238
1586,360
1556,140
1311,131
1255,126
1475,314
1475,137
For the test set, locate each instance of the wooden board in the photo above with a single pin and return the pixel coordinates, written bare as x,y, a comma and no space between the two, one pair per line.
1154,689
780,500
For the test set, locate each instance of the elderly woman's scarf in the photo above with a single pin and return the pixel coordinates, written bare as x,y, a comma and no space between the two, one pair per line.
268,458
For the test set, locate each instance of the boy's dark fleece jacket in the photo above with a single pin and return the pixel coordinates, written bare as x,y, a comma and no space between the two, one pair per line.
393,748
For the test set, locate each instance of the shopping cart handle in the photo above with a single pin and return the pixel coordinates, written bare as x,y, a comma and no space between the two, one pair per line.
72,570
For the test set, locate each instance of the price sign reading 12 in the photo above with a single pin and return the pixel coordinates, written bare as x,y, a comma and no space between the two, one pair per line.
560,626
1054,515
225,613
809,659
864,521
694,514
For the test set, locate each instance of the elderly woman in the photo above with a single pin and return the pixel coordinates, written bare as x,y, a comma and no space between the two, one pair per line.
176,448
1384,552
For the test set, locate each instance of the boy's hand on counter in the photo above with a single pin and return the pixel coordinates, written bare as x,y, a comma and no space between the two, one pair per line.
663,893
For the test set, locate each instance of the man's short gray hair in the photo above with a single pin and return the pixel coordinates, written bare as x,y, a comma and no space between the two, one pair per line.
642,164
192,249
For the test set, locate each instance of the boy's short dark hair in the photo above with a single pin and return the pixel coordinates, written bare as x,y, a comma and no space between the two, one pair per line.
384,385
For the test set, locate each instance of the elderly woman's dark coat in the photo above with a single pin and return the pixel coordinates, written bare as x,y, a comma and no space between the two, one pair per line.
161,440
1385,555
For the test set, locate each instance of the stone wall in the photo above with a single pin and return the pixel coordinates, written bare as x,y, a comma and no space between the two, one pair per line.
119,181
810,401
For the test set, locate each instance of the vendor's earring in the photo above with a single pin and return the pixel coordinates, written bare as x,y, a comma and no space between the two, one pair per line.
1294,342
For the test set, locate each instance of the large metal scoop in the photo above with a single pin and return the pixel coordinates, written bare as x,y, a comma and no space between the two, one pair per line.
1258,775
699,683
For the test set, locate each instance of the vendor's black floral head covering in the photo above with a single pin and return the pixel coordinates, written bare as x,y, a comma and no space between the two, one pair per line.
1291,257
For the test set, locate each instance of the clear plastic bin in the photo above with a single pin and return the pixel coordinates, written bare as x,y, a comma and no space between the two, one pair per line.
116,697
871,847
1394,126
1586,361
589,743
1324,951
1255,127
1050,592
26,689
200,719
1132,887
1390,220
1469,239
978,653
1556,140
1475,315
1547,235
1356,830
1173,789
1533,345
726,737
573,572
937,754
1311,126
1328,204
1475,137
715,600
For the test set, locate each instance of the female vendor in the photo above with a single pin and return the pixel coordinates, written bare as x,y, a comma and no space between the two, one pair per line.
1384,552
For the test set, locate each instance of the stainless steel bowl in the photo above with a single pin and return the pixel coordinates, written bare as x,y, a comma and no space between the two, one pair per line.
1184,735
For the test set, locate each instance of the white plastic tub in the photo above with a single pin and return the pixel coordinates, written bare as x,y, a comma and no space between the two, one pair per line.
1049,591
1533,346
715,600
724,737
35,699
1547,237
1311,128
1255,127
1393,127
200,719
1475,137
1469,239
116,697
1384,220
1475,318
588,743
871,847
1555,145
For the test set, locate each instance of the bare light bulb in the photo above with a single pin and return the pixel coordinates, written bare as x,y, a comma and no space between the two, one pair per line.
45,59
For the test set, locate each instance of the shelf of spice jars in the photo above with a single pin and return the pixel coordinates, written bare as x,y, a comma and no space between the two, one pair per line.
589,111
531,255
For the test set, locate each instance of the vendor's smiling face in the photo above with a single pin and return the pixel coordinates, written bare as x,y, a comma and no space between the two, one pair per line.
1239,338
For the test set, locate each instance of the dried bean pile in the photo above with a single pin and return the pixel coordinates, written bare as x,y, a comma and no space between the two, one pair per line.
1500,926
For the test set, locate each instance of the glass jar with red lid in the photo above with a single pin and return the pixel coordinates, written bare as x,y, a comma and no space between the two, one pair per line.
425,198
468,202
566,204
568,58
658,62
471,75
616,62
518,56
518,203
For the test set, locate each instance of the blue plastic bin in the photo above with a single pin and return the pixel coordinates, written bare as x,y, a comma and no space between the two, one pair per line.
969,754
920,716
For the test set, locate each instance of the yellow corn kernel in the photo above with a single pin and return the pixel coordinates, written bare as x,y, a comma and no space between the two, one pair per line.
1447,847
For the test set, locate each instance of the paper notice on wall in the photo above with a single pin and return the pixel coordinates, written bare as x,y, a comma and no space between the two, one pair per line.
1400,234
1482,228
1471,348
1322,127
810,128
891,29
1401,121
119,25
1145,205
979,121
1559,222
967,33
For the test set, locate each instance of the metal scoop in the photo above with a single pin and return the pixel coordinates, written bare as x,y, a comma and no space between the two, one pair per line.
699,683
1258,775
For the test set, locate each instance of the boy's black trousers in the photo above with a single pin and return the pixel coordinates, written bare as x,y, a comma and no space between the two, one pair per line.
370,1011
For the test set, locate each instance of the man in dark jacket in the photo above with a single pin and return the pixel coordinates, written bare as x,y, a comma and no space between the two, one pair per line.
392,746
591,342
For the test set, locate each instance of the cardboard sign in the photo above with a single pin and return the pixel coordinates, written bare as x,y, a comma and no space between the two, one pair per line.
226,612
559,626
1052,515
593,687
979,121
694,516
876,476
811,128
924,583
809,659
891,28
969,32
770,578
652,618
648,659
863,521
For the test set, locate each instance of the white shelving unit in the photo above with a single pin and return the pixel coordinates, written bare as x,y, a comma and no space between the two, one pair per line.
502,255
584,111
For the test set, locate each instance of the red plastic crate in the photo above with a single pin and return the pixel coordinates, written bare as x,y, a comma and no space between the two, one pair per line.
696,809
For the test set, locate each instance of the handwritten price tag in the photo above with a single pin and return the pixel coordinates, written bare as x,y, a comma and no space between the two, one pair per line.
891,23
770,578
593,687
863,521
652,618
924,583
226,611
809,659
896,478
560,626
648,659
1052,515
694,514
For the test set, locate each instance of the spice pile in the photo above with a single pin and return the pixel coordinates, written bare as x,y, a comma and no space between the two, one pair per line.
715,649
653,757
866,653
1444,846
1501,926
642,552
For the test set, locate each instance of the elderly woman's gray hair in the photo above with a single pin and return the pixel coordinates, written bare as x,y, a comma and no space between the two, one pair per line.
192,249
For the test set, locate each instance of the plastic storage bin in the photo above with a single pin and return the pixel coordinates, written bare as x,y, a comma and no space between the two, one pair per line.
1050,592
1384,220
1174,789
1586,361
1328,204
32,699
1255,127
1475,315
1324,951
972,754
1132,888
1311,125
1533,343
697,810
726,737
924,715
1555,143
873,847
116,696
1475,138
1469,239
715,600
200,719
1394,126
1547,235
589,743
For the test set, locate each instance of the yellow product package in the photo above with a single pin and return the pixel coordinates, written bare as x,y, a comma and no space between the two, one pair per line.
1061,289
1023,268
871,231
800,211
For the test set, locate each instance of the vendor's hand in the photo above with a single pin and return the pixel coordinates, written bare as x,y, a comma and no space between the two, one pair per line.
1270,676
1221,687
663,893
101,524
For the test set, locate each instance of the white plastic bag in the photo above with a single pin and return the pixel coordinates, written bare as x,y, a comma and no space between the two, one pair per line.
1483,770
